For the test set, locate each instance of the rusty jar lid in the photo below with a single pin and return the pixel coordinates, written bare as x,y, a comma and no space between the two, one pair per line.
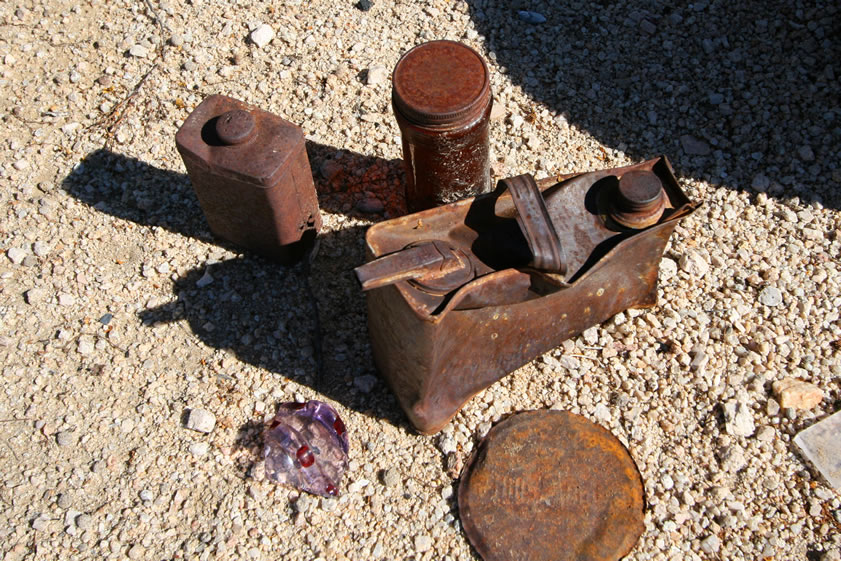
551,486
441,83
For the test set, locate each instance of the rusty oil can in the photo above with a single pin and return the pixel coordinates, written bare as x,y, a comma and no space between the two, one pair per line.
251,175
442,102
461,295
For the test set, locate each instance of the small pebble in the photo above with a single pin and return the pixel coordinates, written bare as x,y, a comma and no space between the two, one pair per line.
262,35
138,51
694,263
391,478
797,394
693,146
760,183
648,27
35,295
531,17
16,255
201,420
205,280
738,418
765,434
84,521
199,448
377,75
365,383
65,438
40,249
423,543
710,544
770,296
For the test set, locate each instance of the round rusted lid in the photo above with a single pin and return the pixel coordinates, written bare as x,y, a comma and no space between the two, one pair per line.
551,486
236,126
441,83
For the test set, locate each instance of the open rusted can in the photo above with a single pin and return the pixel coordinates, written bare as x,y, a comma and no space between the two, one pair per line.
461,295
442,101
251,175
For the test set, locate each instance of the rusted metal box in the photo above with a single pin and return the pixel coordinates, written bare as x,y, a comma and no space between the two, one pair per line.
252,177
461,295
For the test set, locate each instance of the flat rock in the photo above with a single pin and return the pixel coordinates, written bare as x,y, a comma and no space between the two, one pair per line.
821,446
797,394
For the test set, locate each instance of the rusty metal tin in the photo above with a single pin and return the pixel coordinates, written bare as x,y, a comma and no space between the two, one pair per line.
251,175
551,486
517,272
442,102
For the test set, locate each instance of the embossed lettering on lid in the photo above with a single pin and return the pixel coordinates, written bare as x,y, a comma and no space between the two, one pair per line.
551,486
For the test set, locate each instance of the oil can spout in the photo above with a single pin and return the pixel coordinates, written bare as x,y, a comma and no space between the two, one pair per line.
435,265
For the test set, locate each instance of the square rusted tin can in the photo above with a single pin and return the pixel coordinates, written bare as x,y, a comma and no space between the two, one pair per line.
251,175
461,295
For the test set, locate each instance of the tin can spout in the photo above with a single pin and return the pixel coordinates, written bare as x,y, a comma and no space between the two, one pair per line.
426,263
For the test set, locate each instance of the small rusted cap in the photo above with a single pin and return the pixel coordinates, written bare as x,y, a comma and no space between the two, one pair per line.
441,83
236,127
551,486
640,200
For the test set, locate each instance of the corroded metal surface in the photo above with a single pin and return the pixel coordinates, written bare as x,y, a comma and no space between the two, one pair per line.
438,349
252,178
442,101
551,486
639,200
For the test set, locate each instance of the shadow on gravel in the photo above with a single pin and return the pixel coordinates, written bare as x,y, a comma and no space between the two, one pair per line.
741,94
261,311
134,190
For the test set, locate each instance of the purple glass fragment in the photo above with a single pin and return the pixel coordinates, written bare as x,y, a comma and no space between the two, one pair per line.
306,446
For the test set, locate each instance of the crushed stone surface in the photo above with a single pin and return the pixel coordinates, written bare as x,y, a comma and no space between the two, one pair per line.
120,314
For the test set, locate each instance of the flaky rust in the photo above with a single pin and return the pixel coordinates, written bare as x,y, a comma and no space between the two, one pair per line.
438,349
551,486
250,171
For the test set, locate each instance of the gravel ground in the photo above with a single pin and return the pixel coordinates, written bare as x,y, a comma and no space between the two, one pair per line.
121,315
